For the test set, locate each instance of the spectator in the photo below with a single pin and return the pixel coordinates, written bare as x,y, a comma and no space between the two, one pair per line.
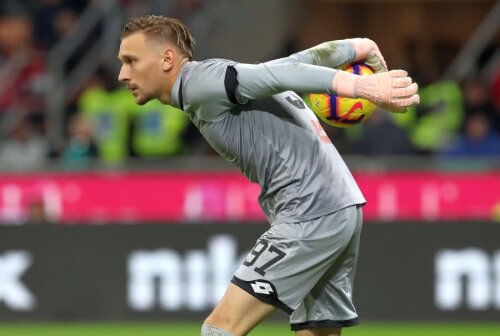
477,98
53,18
436,121
22,70
24,149
380,136
107,110
158,130
478,138
80,149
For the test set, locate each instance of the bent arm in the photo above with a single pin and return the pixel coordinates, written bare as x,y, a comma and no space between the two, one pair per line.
309,71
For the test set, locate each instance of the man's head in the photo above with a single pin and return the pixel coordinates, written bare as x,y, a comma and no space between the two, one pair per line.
152,50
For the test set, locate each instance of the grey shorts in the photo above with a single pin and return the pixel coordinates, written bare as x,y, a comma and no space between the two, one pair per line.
307,269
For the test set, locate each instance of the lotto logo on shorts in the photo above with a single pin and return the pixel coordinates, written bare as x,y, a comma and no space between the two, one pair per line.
262,287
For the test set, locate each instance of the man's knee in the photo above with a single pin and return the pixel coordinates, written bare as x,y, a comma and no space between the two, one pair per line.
211,330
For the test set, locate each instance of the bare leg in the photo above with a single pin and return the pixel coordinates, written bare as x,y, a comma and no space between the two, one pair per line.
238,312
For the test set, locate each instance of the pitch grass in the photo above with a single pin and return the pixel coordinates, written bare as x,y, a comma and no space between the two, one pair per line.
267,329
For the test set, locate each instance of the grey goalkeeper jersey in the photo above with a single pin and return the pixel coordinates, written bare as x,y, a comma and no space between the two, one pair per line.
250,118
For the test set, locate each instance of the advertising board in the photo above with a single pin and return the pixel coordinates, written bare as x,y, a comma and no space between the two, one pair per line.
406,271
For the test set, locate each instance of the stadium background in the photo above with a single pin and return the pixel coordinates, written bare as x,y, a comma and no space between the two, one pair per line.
116,219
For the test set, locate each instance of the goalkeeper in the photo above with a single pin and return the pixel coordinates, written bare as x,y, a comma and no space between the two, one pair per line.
304,264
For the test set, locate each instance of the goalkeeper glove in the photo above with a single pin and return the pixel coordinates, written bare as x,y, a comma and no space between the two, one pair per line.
367,51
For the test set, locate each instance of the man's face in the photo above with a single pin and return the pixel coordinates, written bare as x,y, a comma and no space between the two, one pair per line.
141,69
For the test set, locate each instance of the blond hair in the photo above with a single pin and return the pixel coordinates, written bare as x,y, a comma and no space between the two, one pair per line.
163,29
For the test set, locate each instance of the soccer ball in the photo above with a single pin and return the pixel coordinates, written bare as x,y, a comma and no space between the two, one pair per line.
343,112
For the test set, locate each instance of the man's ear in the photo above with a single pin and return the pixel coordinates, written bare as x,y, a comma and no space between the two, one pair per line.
168,59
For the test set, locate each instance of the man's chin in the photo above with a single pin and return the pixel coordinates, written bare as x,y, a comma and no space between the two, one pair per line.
141,100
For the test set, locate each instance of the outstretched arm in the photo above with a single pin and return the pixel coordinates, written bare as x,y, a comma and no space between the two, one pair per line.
334,54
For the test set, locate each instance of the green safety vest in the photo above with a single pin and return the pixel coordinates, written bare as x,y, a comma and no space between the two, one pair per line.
438,117
108,112
158,129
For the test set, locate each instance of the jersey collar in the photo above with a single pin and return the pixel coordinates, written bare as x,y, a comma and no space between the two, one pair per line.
176,99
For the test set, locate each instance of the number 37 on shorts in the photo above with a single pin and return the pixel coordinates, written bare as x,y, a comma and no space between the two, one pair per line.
263,256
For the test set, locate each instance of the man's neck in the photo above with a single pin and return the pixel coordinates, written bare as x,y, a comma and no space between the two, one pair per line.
166,96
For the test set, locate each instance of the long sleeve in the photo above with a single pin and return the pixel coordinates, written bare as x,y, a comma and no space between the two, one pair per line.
332,54
266,79
308,71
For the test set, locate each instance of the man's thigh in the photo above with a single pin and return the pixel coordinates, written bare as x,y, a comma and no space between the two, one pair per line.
239,312
290,259
329,304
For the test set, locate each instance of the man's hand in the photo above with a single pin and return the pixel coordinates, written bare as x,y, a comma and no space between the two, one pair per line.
393,90
368,52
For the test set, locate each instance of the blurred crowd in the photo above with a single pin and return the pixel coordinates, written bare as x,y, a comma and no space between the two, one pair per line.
105,125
